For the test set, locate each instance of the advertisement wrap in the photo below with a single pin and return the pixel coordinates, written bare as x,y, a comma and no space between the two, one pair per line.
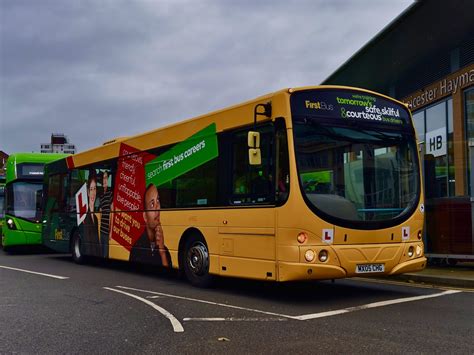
128,225
124,221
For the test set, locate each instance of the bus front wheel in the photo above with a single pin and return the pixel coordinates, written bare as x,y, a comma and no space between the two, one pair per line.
196,261
76,249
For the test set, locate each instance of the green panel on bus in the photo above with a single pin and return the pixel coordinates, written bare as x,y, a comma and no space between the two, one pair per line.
183,157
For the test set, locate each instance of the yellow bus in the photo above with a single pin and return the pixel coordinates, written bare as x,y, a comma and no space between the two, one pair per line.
301,184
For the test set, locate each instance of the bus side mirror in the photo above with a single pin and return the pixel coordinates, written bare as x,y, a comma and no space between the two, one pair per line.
253,142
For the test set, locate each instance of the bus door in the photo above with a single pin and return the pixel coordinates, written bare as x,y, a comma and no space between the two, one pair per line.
247,228
55,212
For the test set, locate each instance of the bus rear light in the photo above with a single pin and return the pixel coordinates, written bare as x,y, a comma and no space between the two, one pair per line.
411,251
323,256
11,224
309,255
302,237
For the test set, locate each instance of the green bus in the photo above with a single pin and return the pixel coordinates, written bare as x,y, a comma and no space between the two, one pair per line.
2,202
23,198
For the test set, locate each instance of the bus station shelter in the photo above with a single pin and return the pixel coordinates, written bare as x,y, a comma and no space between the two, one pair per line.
425,58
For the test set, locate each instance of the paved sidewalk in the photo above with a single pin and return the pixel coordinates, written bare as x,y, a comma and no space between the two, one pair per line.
460,275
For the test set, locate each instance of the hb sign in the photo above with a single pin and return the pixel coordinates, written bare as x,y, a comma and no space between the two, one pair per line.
435,142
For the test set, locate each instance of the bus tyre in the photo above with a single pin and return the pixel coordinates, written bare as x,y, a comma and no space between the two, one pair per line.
76,249
196,261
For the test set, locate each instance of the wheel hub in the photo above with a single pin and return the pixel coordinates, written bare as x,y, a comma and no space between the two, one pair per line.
198,258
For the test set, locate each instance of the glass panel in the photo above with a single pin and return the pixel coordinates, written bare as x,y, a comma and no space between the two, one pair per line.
282,181
252,183
197,187
436,117
469,99
419,121
357,174
2,201
77,178
24,199
449,103
436,149
55,188
451,177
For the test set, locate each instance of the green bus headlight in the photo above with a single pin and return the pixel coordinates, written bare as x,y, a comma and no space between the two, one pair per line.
11,224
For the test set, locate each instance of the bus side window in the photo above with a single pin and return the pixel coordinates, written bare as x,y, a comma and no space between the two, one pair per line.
197,187
76,180
54,192
282,170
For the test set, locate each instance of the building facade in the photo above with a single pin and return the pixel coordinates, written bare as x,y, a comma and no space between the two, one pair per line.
425,58
3,161
59,144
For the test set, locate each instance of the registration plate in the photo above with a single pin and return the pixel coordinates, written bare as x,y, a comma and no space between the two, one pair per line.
368,268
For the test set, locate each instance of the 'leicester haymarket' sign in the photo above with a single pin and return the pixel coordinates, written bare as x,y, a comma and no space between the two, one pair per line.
448,86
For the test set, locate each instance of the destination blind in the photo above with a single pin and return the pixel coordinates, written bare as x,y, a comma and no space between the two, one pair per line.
348,105
25,171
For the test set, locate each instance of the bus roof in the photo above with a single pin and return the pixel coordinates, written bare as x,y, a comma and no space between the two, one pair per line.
239,114
34,158
229,117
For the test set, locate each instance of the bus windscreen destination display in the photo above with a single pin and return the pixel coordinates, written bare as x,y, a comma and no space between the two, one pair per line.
29,171
348,105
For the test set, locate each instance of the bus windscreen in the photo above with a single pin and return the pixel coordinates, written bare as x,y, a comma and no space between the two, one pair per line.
357,157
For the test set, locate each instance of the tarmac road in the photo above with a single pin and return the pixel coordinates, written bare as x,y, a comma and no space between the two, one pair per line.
116,307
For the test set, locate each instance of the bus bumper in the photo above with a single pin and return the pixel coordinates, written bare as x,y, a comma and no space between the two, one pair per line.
19,237
297,271
414,265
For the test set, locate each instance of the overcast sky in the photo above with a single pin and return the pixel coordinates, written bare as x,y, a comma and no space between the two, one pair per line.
100,69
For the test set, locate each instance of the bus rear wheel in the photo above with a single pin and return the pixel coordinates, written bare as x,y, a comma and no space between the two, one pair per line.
196,261
76,249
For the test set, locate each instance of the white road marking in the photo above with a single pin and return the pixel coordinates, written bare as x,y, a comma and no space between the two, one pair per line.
407,283
234,319
301,317
206,302
373,305
34,272
177,327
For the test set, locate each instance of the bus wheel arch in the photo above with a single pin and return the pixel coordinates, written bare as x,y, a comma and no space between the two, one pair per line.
194,259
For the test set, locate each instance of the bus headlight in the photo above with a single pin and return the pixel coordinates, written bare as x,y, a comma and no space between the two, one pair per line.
11,224
323,256
309,255
418,250
411,251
